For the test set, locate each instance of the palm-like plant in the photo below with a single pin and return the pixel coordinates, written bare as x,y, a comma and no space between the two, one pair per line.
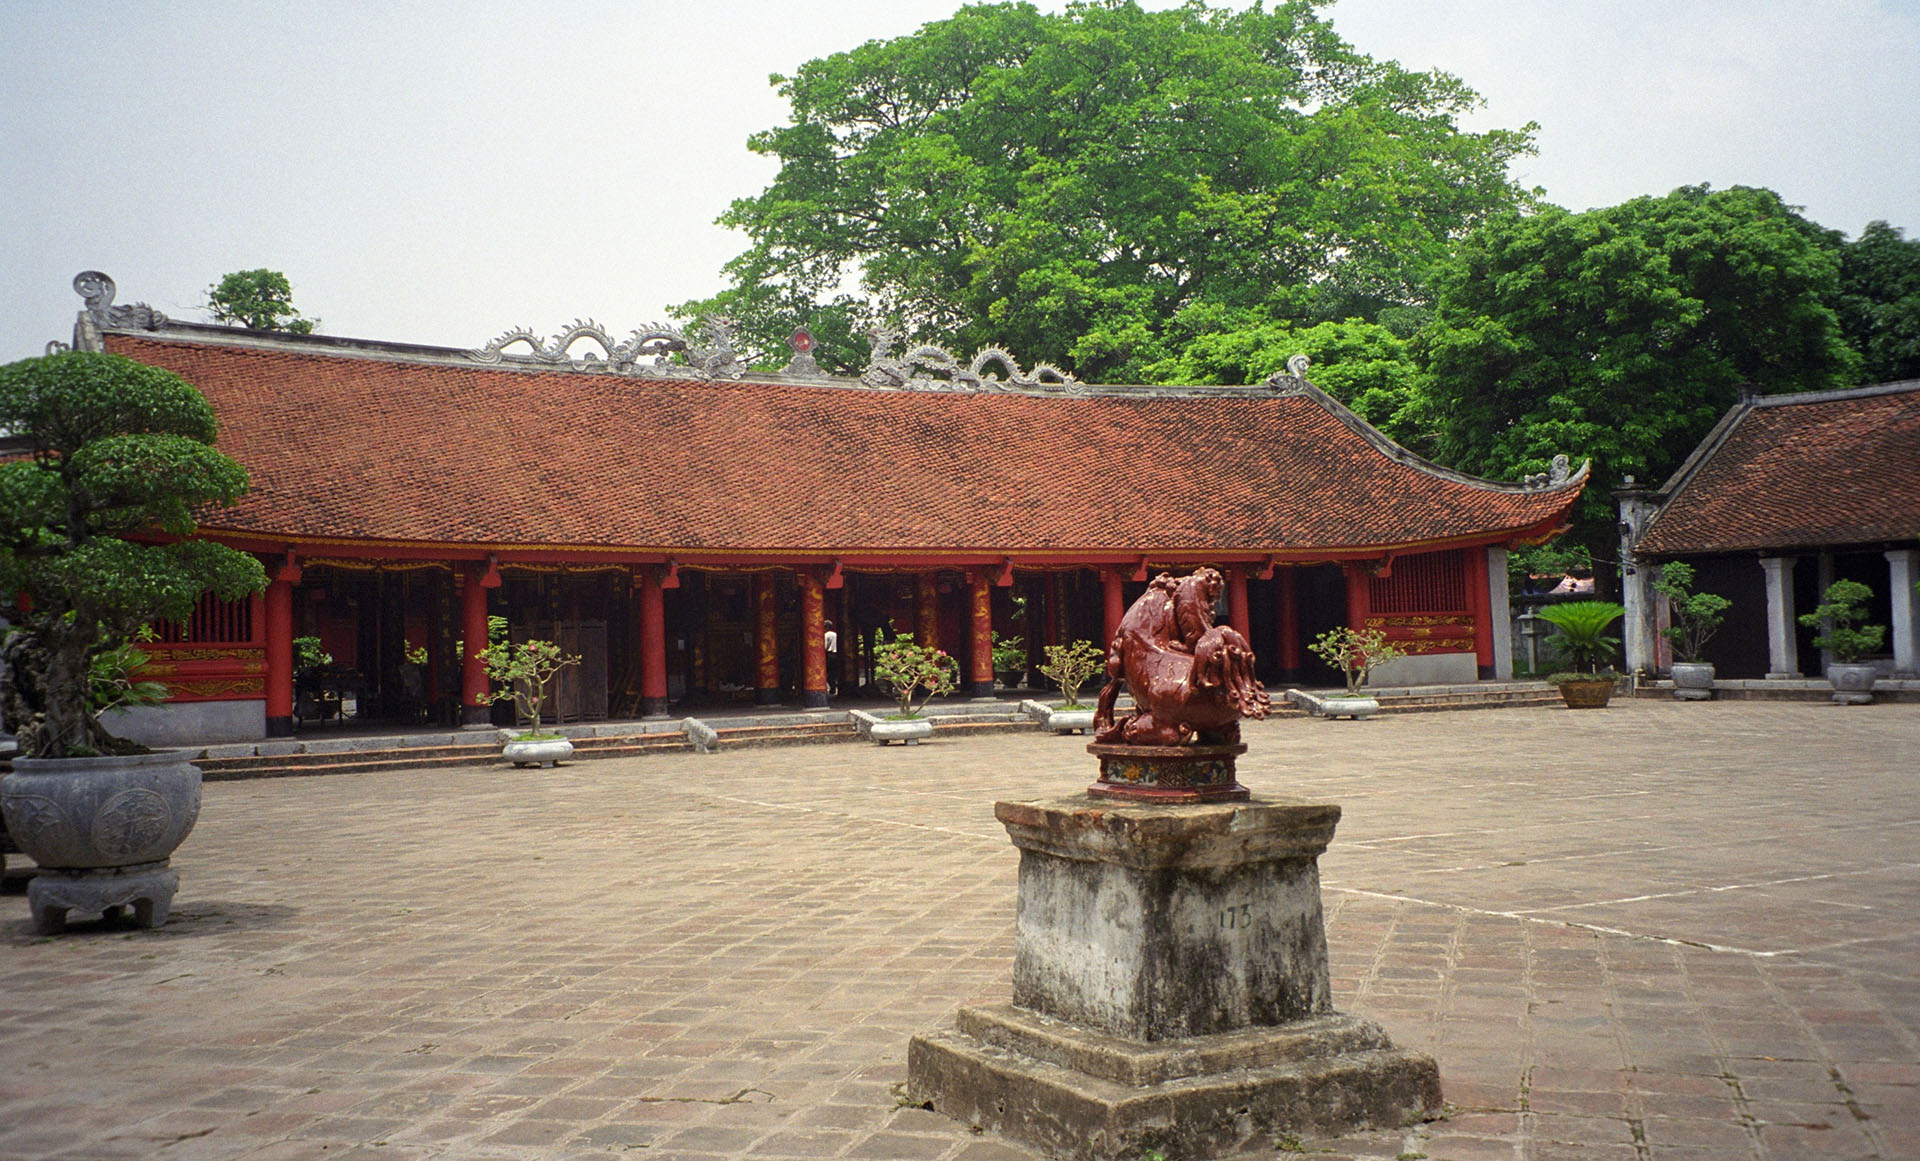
1583,631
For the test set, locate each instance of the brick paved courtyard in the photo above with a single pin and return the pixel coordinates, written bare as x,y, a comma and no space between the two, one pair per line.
1658,931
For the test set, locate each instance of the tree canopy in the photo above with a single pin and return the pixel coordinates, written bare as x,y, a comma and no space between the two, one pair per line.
1879,302
118,448
1070,184
260,300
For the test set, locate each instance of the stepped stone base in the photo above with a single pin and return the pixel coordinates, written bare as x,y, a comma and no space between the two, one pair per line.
1073,1092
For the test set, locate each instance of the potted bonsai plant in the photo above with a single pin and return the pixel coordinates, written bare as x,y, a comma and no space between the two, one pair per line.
1583,629
905,669
1355,653
1009,660
1070,667
524,671
118,450
1694,618
1839,616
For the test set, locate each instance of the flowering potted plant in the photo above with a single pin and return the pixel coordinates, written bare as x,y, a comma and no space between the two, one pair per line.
1695,617
525,670
1583,635
1839,614
904,669
1355,653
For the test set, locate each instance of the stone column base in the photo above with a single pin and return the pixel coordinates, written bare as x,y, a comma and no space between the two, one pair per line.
149,888
1074,1092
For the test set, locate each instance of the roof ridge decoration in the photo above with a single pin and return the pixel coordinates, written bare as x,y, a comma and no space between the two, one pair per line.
97,291
883,370
707,347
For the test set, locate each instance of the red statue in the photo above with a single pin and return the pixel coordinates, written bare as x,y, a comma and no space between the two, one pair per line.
1192,680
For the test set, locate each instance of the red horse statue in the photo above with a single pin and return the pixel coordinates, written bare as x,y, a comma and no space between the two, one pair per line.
1192,680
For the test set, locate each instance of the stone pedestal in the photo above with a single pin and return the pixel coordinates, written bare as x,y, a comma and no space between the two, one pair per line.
1170,991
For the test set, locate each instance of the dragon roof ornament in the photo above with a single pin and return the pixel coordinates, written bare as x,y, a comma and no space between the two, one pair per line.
97,291
884,370
706,348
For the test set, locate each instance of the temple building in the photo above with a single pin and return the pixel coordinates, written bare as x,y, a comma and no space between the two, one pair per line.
1787,494
688,527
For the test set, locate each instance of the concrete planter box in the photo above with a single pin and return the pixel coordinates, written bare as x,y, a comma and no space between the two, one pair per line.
1693,680
1852,684
1065,721
883,730
1355,708
537,752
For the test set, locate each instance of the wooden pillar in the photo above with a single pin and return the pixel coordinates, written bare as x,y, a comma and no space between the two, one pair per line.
926,611
1482,603
813,640
1237,601
980,669
1359,596
474,707
653,644
766,641
280,650
1113,604
1286,619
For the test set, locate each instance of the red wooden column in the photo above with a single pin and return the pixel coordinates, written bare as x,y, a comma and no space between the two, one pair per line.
926,611
474,711
1359,596
1481,602
766,642
980,661
813,640
653,644
1286,615
1237,601
280,649
1113,604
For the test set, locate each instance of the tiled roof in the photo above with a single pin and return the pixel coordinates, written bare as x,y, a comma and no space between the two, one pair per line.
1839,467
403,450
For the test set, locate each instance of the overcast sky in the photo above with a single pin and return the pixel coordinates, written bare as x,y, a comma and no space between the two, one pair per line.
438,173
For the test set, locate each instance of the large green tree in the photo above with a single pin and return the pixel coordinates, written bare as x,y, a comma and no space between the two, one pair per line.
1623,333
260,300
1879,302
1067,184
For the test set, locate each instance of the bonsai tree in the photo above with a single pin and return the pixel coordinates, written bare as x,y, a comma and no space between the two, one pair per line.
524,671
1009,654
1072,666
1583,634
903,668
1695,616
1355,652
1841,608
117,450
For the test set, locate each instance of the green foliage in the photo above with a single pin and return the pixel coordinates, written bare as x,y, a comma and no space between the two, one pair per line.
1879,303
260,300
1071,666
1583,630
1009,654
1694,616
307,654
524,670
1556,558
117,448
1067,183
111,676
1354,652
904,668
1839,614
1622,334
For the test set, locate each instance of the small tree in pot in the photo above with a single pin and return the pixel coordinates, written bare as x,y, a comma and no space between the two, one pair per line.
1840,616
1694,618
1355,653
1583,629
117,449
524,671
903,668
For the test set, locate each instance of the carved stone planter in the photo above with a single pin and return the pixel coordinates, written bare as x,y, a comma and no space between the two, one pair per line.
102,831
535,752
908,730
1852,684
1066,721
1587,694
1693,680
1349,707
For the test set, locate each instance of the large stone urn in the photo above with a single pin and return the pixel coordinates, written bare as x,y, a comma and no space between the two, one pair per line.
1852,684
1693,680
102,831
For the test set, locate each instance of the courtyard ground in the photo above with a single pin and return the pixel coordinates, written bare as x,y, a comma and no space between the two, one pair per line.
1656,931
